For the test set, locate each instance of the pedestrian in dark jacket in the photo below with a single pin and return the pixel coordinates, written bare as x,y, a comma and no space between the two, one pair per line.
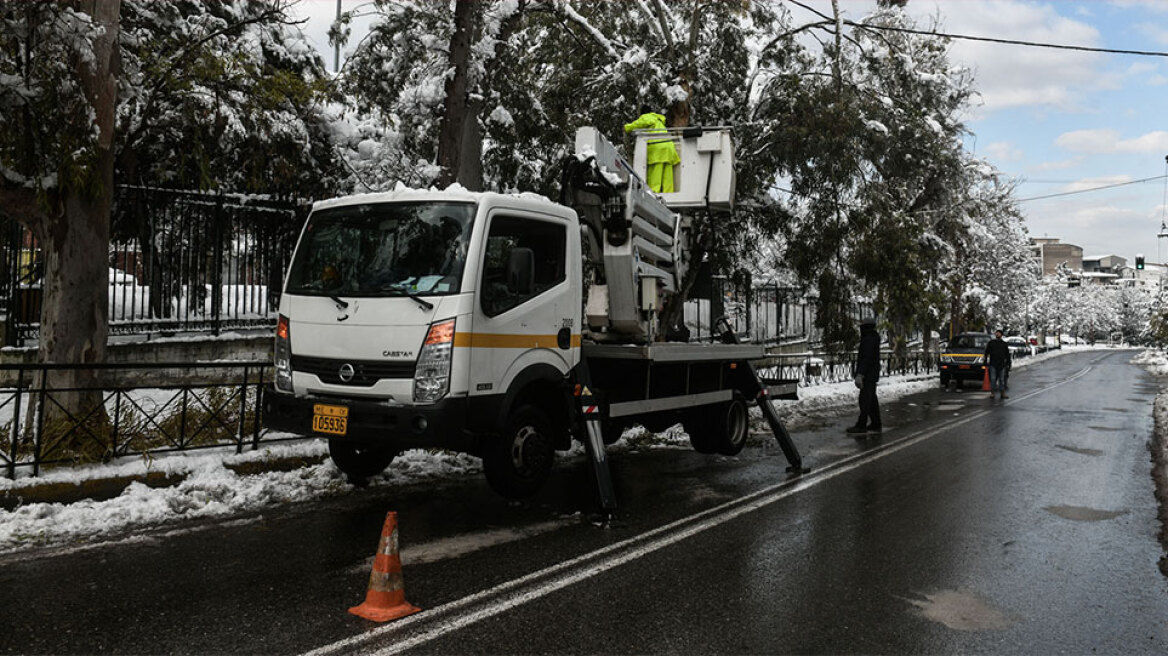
997,360
866,374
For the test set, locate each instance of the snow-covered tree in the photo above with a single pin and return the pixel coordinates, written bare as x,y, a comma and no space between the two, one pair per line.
183,94
59,66
224,95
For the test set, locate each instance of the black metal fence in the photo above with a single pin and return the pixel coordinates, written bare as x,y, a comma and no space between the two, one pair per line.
138,409
812,369
178,261
762,314
156,408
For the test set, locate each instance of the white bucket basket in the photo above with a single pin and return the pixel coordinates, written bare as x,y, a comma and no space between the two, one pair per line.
705,175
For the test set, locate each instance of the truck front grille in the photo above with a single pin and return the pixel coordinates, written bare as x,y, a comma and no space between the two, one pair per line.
366,373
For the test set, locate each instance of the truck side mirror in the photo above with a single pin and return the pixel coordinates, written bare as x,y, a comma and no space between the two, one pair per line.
521,271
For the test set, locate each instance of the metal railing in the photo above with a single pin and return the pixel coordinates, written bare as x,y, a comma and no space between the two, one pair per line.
812,369
128,409
178,261
763,314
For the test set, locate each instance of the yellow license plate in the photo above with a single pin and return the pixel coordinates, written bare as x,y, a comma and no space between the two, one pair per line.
330,419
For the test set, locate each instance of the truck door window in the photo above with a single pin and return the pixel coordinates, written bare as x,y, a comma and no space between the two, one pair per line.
523,259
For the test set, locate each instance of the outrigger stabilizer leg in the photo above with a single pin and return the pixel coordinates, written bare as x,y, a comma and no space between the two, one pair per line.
589,417
762,397
781,435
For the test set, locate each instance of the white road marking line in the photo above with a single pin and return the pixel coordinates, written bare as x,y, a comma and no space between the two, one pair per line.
512,594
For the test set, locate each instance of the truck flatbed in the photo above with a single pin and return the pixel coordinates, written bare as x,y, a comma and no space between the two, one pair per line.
675,352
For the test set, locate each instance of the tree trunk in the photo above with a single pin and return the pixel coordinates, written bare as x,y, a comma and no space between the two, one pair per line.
75,239
454,113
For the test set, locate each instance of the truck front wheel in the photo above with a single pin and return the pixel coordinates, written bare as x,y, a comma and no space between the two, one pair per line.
360,460
518,462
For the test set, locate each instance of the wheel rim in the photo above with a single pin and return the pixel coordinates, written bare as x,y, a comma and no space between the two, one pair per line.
527,450
736,423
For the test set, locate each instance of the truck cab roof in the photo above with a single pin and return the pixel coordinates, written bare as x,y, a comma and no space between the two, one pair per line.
455,193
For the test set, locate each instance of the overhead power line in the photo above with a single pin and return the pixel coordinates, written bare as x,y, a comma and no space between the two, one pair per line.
1012,42
1083,191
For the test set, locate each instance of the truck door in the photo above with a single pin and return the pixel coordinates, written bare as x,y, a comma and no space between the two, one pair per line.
527,309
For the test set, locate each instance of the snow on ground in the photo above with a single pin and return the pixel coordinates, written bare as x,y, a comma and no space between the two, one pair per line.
1154,361
212,490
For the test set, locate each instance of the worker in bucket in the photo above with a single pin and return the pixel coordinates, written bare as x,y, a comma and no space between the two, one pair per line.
660,154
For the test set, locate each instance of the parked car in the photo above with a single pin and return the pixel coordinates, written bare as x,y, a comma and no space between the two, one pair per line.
963,359
1019,347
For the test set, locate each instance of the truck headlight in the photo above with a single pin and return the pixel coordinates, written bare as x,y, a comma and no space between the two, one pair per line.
283,355
432,375
947,359
979,359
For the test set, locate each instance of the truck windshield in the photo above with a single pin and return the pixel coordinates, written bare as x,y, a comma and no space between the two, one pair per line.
383,249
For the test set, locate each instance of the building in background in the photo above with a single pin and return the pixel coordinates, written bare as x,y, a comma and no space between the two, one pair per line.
1055,256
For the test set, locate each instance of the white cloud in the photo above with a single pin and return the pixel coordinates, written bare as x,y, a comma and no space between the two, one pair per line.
1109,141
1153,31
1014,76
1098,229
1149,5
1095,183
1003,151
1059,165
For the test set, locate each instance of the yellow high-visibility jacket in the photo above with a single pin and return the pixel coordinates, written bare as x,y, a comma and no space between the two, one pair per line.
658,151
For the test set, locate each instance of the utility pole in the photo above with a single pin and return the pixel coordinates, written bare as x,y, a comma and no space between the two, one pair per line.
337,46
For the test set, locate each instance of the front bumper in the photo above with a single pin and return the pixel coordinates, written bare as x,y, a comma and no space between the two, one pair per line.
441,425
962,371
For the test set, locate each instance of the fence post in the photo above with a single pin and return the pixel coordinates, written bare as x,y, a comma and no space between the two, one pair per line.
259,409
242,412
14,432
39,434
217,265
12,275
717,303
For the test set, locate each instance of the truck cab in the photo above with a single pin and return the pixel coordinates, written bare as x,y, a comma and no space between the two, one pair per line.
429,319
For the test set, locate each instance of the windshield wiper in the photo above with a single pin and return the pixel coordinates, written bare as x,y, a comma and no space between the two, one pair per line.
401,292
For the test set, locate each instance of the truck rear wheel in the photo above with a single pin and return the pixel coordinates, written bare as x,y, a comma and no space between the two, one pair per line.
360,460
696,422
730,424
518,462
721,428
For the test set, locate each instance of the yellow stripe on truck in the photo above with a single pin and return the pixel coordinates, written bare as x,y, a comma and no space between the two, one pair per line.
500,340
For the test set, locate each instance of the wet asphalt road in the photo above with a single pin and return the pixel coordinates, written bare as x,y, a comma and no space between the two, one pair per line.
1020,527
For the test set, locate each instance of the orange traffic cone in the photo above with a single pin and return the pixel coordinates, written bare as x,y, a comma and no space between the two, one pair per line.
985,381
386,598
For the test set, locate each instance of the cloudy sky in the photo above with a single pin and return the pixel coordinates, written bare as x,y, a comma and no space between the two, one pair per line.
1056,120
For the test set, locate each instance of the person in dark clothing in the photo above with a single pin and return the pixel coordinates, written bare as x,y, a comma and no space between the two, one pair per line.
867,373
997,359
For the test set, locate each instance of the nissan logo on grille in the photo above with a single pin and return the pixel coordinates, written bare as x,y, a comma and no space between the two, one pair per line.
346,373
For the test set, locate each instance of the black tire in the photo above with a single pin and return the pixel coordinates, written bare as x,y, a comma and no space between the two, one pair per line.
518,462
360,460
944,380
701,434
730,424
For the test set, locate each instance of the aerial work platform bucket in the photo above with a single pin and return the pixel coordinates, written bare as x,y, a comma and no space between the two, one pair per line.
705,176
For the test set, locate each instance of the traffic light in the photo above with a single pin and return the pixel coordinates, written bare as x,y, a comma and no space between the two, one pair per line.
1139,261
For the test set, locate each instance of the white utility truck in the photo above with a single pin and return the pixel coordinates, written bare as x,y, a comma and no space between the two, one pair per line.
503,325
